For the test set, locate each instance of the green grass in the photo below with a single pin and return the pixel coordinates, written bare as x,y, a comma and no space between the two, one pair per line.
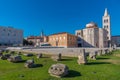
104,68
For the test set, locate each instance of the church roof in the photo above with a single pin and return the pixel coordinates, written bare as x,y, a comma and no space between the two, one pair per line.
91,25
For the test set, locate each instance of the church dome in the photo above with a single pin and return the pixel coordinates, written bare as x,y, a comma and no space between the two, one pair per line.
91,25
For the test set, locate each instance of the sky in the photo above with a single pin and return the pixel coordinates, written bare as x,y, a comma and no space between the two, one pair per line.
53,16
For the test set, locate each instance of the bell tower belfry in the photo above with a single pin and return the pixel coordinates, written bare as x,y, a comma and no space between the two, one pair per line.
106,24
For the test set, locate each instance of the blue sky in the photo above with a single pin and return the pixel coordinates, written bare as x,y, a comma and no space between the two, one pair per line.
57,15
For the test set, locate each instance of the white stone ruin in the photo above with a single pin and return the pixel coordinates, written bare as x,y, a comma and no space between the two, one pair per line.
39,55
82,58
92,55
111,49
58,70
103,52
30,64
114,46
99,52
106,51
56,57
15,59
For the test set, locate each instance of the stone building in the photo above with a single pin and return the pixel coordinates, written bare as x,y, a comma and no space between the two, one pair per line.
116,40
93,36
106,24
63,39
38,40
11,36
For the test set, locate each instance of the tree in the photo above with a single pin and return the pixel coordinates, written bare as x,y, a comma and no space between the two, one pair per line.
30,43
25,42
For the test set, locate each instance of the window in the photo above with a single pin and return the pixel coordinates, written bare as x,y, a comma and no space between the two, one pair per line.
78,33
107,32
106,21
106,26
64,37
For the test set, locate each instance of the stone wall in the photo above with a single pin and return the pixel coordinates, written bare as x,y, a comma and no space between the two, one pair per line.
72,52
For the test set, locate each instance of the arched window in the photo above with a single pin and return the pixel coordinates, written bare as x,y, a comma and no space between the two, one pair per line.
106,21
106,26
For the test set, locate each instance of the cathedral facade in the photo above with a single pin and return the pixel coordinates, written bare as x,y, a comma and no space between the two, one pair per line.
93,36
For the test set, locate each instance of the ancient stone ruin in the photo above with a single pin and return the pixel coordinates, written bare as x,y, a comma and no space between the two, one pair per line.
39,55
12,52
92,55
57,57
106,51
114,47
30,64
82,58
103,52
58,70
99,52
15,59
5,56
111,49
19,53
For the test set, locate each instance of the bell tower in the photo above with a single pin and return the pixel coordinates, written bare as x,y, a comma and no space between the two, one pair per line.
42,33
106,26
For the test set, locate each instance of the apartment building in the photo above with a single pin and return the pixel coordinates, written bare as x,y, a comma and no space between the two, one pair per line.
10,36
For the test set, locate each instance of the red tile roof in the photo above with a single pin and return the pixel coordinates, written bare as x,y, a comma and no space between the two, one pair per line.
34,37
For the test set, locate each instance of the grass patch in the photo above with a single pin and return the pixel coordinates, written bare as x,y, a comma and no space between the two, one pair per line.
104,68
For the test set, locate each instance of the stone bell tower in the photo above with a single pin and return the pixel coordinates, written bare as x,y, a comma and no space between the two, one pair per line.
106,26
